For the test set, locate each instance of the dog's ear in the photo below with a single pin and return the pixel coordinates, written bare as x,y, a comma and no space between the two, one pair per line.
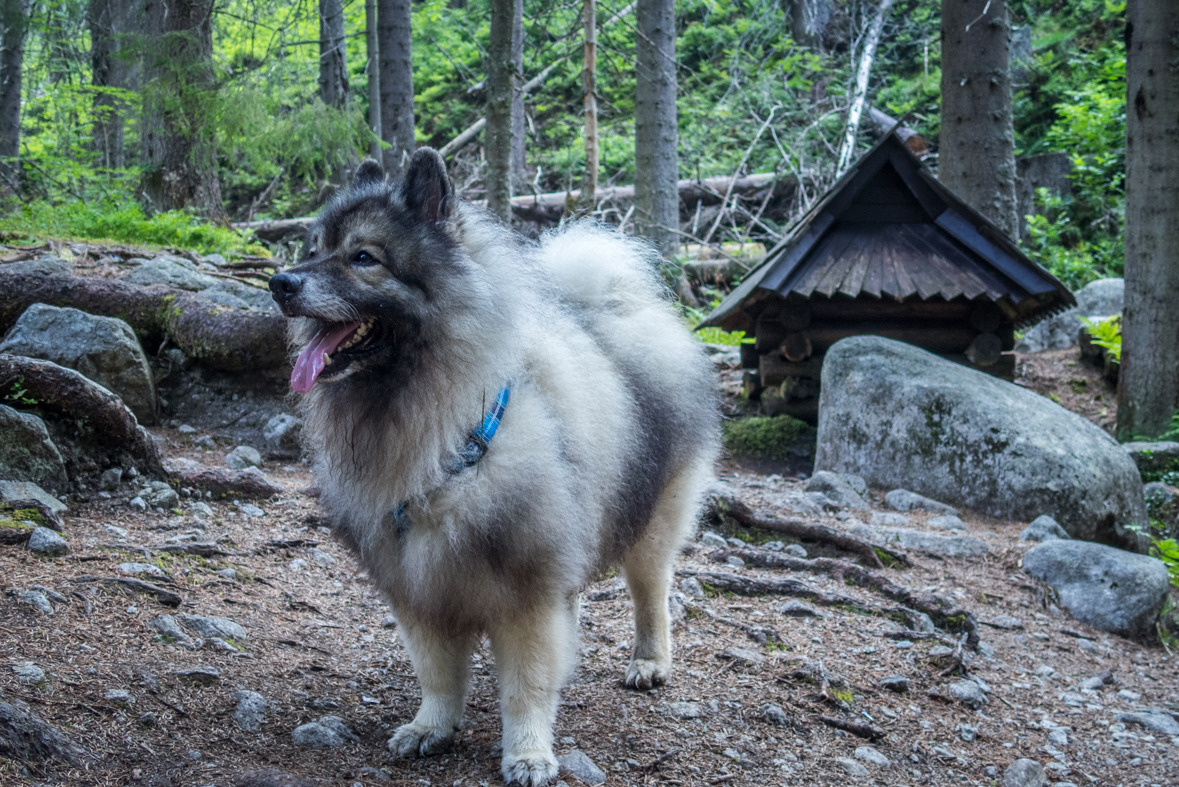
368,173
427,190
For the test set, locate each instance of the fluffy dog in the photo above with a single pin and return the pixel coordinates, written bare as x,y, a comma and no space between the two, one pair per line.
495,422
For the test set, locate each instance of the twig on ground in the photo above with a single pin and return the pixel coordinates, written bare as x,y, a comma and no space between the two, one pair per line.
166,597
869,731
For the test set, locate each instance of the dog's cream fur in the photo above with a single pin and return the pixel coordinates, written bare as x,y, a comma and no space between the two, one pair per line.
606,386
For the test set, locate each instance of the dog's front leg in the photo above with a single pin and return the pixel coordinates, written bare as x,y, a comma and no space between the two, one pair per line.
442,666
533,655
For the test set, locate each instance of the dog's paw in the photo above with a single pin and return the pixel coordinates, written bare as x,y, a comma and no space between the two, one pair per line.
417,740
530,768
646,673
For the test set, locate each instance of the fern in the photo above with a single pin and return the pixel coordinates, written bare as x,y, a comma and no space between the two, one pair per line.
1106,334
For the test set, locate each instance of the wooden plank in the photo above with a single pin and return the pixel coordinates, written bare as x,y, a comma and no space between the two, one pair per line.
936,338
902,213
846,310
790,259
853,280
872,276
962,229
890,283
926,240
811,272
839,267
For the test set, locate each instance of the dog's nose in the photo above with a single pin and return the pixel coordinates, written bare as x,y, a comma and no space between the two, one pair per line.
285,286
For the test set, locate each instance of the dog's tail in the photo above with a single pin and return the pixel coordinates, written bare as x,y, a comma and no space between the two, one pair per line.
596,267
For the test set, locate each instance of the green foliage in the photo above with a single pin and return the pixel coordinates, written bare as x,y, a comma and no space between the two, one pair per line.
778,437
1167,550
1106,334
17,394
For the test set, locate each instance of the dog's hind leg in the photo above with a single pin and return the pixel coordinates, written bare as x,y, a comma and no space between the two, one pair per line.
648,568
533,655
442,665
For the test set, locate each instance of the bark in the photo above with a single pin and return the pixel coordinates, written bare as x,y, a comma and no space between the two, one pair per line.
66,396
373,68
14,21
179,150
1149,384
27,738
395,54
110,22
791,588
333,68
656,173
589,82
519,126
885,123
808,21
847,148
499,143
977,153
229,339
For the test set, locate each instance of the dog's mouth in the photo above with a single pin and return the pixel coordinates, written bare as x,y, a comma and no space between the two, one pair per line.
333,349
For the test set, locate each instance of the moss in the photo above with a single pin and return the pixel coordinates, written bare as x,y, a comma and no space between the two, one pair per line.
843,695
20,518
888,560
778,437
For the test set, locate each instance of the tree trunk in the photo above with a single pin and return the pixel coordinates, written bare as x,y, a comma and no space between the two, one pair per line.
519,123
395,52
14,19
589,81
657,214
808,20
1148,389
977,155
847,149
179,149
506,17
110,22
333,68
373,68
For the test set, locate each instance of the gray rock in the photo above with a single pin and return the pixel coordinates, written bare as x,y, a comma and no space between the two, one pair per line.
282,431
222,298
44,541
1043,528
159,495
692,587
228,573
199,676
36,600
198,508
321,557
950,546
1158,496
134,569
256,298
901,416
242,457
1058,737
103,349
1156,457
28,672
837,489
316,736
871,756
801,503
120,697
851,767
251,510
797,609
167,626
774,714
172,271
946,522
773,546
1006,622
734,561
110,479
1110,589
904,500
581,767
298,564
1024,773
27,490
685,710
1096,300
204,626
27,453
795,550
338,726
889,519
138,503
1161,723
897,683
250,711
45,265
713,540
743,654
968,693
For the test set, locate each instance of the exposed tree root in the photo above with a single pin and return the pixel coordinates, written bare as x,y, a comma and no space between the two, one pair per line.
166,597
748,586
759,634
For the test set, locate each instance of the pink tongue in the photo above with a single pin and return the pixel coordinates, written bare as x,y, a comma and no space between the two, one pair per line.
310,362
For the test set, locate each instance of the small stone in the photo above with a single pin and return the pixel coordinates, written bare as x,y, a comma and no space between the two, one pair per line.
968,693
160,495
47,542
1058,737
736,543
315,736
205,626
138,503
120,697
1006,622
1024,773
388,622
135,569
888,519
242,457
773,546
228,573
298,564
338,726
903,644
115,530
796,550
28,673
715,540
199,508
581,767
871,756
250,711
735,561
1094,683
110,479
1043,528
36,600
904,500
967,732
797,609
940,652
1129,696
321,557
282,431
692,587
684,710
774,714
167,627
946,522
251,510
851,767
186,429
199,676
897,683
743,654
1154,721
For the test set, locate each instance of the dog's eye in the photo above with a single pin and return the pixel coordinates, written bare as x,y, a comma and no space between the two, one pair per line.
364,258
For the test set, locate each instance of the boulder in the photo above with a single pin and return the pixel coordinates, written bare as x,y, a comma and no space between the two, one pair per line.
1043,528
1096,300
839,489
172,271
1109,589
11,491
48,542
900,416
904,500
282,431
950,546
103,349
26,451
47,265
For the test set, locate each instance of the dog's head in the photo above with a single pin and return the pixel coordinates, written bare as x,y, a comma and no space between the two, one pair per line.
370,273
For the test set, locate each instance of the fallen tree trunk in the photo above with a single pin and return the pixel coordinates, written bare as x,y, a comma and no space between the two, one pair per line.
65,395
230,339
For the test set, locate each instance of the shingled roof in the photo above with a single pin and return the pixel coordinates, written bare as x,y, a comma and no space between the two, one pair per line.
889,229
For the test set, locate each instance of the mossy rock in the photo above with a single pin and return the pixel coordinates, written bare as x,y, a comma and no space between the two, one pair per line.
19,518
778,437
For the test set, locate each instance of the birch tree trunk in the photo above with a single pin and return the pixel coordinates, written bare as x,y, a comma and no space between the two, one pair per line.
110,22
333,69
657,214
374,75
14,19
589,82
395,52
501,95
847,148
977,150
1148,388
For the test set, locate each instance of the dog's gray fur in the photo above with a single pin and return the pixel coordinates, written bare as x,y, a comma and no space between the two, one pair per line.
606,446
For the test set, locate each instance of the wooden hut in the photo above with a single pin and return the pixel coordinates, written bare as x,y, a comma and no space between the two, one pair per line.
887,251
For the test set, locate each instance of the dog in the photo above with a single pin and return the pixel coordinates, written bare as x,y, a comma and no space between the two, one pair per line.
494,422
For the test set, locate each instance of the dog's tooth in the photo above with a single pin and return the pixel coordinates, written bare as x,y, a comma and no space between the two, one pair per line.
327,359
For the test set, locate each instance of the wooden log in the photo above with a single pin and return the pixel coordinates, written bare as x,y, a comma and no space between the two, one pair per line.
935,338
773,369
796,347
986,317
841,309
985,350
751,387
